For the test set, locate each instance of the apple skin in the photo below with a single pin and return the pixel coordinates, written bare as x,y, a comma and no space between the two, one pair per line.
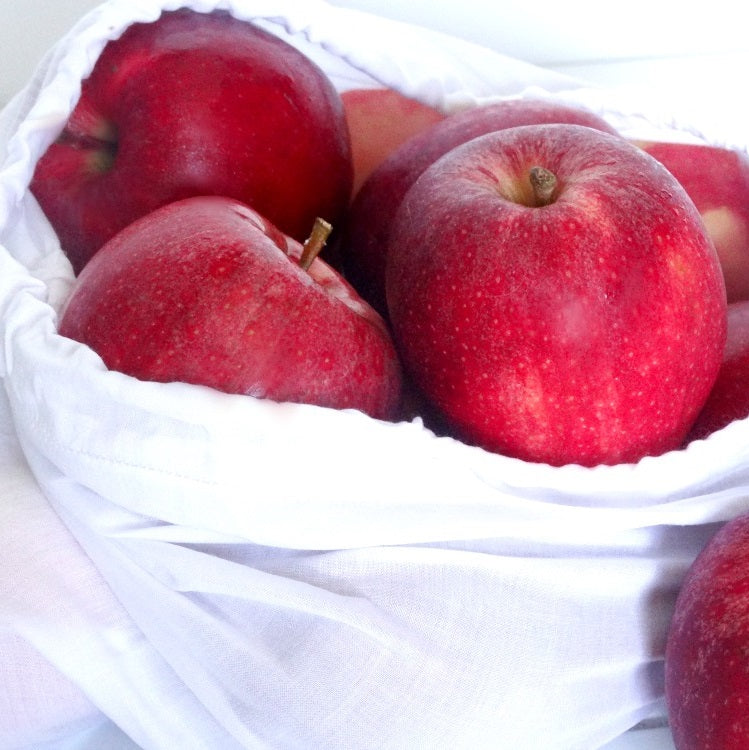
206,291
364,238
717,181
379,121
706,664
729,396
196,104
589,330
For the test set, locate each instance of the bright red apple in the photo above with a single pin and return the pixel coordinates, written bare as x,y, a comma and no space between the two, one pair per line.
717,181
729,397
206,291
193,104
554,293
380,120
365,233
707,667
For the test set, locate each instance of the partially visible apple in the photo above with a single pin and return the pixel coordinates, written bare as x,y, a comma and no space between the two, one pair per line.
553,292
364,238
707,647
717,180
379,120
206,291
729,397
191,104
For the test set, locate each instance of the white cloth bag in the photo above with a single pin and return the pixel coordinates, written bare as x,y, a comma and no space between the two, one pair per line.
295,577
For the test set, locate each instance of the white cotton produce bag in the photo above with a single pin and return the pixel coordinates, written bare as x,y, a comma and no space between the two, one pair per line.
306,578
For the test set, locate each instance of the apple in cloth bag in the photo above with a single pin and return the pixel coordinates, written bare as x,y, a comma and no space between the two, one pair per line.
296,576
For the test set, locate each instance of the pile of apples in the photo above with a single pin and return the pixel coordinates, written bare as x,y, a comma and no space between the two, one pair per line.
519,274
197,161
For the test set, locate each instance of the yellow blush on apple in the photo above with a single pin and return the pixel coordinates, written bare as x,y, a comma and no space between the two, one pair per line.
379,121
730,233
717,181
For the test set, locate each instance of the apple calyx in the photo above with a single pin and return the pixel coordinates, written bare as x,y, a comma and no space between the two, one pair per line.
314,244
544,183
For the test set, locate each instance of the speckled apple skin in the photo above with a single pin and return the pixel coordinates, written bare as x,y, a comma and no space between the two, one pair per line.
586,331
717,180
196,104
707,650
364,240
729,396
206,291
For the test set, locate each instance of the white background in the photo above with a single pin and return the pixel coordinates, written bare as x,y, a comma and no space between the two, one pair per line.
695,51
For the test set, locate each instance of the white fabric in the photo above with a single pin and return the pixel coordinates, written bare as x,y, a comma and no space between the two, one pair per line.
41,567
283,576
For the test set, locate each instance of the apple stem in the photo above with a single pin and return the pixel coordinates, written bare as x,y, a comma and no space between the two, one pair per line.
314,244
544,183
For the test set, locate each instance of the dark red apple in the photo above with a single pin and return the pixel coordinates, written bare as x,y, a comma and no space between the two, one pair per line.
717,180
729,397
193,104
365,234
707,648
380,120
206,291
554,294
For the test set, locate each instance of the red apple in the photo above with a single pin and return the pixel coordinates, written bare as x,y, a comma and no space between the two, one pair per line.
206,291
553,292
365,233
707,669
379,121
192,104
717,181
729,397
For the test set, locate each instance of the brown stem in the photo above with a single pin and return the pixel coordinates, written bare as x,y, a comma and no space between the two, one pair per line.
544,184
315,242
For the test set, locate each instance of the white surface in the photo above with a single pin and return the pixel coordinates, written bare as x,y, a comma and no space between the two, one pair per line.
642,739
553,33
666,44
27,30
108,736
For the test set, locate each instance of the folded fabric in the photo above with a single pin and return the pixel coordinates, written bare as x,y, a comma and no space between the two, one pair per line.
263,575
